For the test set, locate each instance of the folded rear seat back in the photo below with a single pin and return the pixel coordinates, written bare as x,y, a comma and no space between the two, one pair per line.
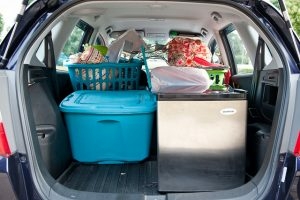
50,129
263,98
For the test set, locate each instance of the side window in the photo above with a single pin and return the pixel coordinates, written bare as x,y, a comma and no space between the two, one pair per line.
80,35
99,40
241,58
215,51
242,61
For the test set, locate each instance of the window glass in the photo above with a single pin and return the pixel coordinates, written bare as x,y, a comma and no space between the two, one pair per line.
156,56
99,40
156,49
215,51
80,35
268,56
72,45
239,52
156,53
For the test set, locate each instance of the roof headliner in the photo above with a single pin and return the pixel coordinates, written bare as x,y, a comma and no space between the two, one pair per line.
157,17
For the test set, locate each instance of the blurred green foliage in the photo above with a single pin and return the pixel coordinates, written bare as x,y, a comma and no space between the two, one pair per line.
72,44
294,12
1,25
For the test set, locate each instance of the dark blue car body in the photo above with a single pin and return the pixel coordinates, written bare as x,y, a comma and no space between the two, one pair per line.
16,180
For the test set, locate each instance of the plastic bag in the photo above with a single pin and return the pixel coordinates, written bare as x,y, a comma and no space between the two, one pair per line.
129,42
179,77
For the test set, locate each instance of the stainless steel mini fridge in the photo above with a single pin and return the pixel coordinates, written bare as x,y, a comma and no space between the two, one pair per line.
201,140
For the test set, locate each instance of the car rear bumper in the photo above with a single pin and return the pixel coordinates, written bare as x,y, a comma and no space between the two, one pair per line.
6,187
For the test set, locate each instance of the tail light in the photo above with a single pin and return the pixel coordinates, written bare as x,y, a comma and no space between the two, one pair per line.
4,147
297,146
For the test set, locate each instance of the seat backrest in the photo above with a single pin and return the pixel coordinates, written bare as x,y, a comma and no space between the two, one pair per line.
266,93
50,129
264,87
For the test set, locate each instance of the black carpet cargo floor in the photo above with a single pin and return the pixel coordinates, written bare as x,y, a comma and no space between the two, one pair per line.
112,178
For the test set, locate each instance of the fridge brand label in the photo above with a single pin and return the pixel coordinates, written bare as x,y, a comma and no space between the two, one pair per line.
228,111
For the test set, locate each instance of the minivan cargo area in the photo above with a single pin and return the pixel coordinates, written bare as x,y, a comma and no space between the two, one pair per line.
136,143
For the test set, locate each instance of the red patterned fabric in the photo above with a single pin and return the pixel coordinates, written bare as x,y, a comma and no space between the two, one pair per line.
183,52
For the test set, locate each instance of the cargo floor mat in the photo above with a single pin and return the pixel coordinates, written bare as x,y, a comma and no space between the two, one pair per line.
112,178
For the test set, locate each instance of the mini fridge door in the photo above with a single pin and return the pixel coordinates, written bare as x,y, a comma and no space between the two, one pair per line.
201,143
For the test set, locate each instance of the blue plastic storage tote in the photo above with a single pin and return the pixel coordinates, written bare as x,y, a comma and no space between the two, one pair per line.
109,126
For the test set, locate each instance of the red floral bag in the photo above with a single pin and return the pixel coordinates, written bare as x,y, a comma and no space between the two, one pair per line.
187,52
